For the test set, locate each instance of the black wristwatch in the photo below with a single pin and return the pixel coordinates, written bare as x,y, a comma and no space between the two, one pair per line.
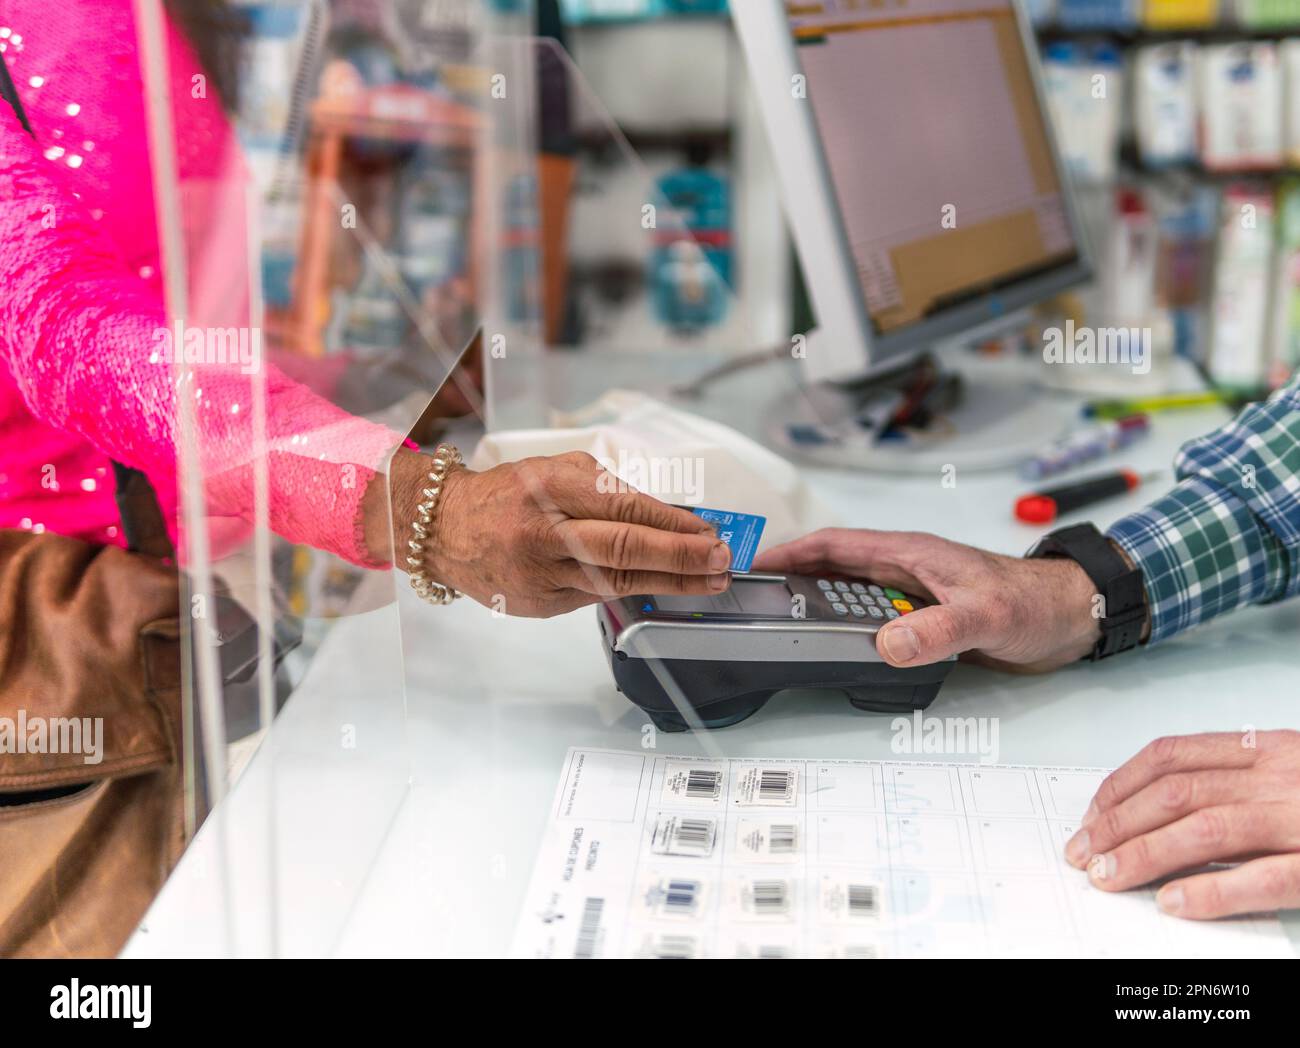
1119,585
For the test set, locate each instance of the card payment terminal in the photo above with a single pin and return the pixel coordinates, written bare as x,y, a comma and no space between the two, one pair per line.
726,655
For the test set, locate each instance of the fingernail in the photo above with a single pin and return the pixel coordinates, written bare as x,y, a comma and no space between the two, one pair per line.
1170,898
1102,867
900,643
720,557
1078,849
718,583
1091,813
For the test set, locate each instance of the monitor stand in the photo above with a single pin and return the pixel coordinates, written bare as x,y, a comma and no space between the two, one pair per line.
1000,416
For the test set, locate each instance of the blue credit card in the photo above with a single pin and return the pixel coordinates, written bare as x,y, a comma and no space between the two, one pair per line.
740,531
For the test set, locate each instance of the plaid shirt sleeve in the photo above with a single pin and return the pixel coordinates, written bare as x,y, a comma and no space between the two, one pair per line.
1228,533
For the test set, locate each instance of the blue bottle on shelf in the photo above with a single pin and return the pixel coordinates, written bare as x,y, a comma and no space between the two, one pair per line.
691,276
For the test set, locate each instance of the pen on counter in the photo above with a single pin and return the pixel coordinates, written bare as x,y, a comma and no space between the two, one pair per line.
1114,409
1043,507
1085,445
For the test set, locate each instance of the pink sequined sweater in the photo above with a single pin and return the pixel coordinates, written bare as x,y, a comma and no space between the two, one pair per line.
81,302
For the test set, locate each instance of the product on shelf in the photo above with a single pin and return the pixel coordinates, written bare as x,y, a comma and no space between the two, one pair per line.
433,221
1164,103
691,274
1241,106
1289,53
1085,92
1180,14
1187,218
1266,14
1040,12
1128,270
577,11
1239,305
1097,14
1285,322
267,65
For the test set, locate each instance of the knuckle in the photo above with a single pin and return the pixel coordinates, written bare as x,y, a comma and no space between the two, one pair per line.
581,459
1277,748
621,582
926,543
821,541
1106,792
683,559
622,508
623,548
1140,849
1112,825
1164,750
685,584
533,470
1278,881
1175,792
1209,827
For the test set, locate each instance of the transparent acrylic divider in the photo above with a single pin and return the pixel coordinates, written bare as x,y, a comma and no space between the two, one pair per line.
496,699
319,292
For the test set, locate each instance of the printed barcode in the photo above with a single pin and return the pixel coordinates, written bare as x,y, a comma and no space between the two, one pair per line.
783,837
681,897
703,785
771,898
862,900
774,786
589,929
681,835
693,834
674,948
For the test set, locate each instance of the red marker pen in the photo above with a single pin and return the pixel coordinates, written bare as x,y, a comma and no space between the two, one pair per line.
1043,507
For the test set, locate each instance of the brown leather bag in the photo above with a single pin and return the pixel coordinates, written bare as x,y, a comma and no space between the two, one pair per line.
92,635
89,635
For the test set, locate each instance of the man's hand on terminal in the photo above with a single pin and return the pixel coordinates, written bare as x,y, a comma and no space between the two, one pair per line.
1022,615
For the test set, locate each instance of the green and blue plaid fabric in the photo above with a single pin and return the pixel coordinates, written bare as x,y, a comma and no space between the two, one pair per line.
1228,534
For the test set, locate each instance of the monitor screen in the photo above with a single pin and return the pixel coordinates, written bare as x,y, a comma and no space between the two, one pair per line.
936,147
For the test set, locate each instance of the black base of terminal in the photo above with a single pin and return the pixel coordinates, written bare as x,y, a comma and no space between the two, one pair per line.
725,693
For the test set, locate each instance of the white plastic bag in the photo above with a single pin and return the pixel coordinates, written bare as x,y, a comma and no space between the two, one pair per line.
677,457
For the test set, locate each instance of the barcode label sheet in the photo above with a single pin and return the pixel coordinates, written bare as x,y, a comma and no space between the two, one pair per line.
675,857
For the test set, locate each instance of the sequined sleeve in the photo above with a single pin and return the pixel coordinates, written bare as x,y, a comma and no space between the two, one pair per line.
79,332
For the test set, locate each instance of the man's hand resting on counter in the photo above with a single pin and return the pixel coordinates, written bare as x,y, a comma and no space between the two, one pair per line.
1190,800
1023,615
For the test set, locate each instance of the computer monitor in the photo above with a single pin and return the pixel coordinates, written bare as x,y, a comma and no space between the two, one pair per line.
921,181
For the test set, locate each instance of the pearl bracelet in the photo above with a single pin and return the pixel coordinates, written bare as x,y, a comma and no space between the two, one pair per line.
445,459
